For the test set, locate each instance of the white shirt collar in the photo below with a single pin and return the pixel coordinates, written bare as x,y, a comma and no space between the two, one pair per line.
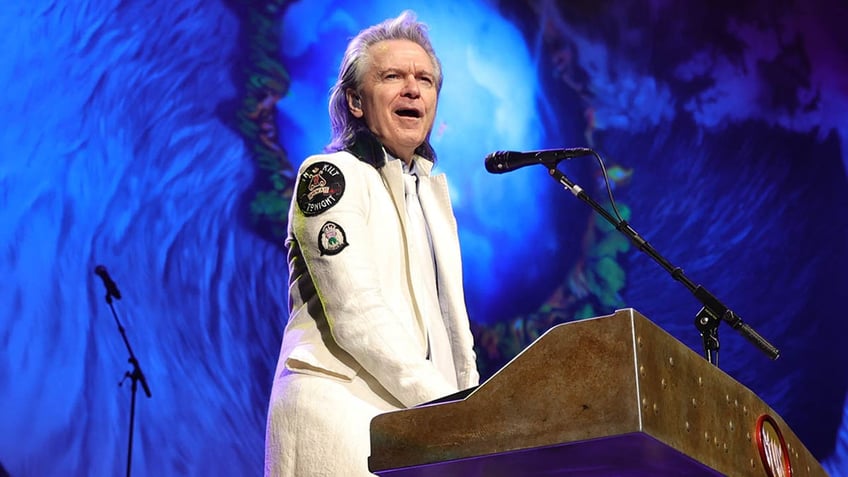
411,169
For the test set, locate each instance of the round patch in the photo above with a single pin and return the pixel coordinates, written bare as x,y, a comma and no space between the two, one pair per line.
331,239
319,188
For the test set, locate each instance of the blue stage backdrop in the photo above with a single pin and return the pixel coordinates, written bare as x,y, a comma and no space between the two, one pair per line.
159,139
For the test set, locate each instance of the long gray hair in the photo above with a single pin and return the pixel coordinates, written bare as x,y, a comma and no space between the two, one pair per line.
354,64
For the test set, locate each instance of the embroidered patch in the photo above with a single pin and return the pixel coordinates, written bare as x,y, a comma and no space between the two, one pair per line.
331,239
319,188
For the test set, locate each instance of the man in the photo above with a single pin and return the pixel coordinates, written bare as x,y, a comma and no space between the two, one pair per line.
377,314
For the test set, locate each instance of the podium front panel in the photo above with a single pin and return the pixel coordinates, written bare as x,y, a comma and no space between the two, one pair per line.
594,397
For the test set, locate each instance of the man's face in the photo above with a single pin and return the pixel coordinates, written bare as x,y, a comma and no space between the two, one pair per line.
398,96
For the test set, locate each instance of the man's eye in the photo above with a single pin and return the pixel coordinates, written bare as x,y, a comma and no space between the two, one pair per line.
392,76
426,80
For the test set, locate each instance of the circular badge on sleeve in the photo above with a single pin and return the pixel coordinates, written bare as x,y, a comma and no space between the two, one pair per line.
331,239
319,188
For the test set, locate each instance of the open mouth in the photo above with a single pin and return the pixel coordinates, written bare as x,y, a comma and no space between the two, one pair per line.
409,113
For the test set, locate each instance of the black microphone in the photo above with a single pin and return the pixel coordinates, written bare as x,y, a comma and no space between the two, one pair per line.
505,161
111,288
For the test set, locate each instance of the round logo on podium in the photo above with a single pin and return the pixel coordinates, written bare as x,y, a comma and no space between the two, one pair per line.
773,450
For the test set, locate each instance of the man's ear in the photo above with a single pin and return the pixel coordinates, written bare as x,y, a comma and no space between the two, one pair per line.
354,103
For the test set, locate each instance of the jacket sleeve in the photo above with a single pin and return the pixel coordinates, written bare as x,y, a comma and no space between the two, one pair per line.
330,224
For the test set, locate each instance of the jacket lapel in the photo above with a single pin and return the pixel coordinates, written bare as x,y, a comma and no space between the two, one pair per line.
392,174
435,202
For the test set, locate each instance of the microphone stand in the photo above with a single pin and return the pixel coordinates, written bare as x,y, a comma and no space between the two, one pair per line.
713,312
135,376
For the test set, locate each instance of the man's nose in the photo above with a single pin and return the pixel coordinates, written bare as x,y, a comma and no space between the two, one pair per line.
410,87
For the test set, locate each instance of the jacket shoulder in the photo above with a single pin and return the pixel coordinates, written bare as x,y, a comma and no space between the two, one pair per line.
342,159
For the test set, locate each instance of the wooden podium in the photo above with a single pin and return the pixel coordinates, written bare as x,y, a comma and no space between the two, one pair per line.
608,396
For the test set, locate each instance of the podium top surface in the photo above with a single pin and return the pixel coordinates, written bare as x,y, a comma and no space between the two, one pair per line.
586,395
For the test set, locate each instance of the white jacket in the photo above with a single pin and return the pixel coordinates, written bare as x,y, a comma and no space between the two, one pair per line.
352,301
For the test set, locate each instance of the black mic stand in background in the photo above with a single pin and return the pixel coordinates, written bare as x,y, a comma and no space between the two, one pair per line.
713,312
135,375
